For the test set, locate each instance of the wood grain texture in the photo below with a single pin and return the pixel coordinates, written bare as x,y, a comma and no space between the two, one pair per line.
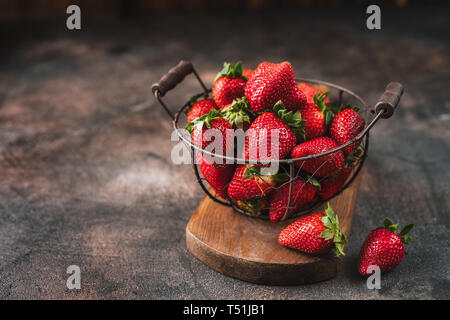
247,248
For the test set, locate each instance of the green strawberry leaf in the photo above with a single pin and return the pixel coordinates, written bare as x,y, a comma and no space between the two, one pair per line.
387,224
292,119
193,100
231,71
204,120
331,222
252,171
319,100
281,177
406,229
239,113
329,115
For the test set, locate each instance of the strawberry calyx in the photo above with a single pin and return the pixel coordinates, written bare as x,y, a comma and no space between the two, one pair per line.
231,71
193,100
238,112
292,119
406,239
255,171
204,120
251,205
351,159
319,101
331,222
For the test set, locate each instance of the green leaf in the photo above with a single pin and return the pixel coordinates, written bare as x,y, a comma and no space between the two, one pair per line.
252,171
312,180
292,119
204,120
281,177
406,229
238,113
327,234
329,115
231,71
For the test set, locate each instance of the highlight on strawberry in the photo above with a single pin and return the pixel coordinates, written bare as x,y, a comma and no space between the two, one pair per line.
384,247
316,233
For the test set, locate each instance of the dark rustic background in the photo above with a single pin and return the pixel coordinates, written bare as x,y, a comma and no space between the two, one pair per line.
85,169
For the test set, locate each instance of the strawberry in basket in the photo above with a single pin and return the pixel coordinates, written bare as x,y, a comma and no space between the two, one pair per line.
324,166
318,115
218,175
346,125
238,113
271,82
229,84
302,193
198,107
260,134
310,91
330,186
202,136
250,182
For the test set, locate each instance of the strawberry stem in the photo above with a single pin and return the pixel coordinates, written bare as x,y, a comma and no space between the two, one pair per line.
238,112
231,71
203,120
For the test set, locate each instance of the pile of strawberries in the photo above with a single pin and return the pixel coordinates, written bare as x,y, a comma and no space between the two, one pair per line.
266,101
263,101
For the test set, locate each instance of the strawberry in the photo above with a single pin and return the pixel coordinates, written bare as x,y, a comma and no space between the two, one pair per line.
249,183
229,84
317,116
315,234
197,108
270,83
384,248
202,136
324,166
247,73
310,91
217,175
256,206
259,136
302,194
330,186
346,125
238,113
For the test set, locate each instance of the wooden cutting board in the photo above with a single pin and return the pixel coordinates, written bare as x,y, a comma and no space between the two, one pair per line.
247,248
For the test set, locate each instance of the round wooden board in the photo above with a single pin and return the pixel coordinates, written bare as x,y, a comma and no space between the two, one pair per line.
247,248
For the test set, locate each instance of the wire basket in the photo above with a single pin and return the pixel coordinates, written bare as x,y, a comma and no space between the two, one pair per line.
292,167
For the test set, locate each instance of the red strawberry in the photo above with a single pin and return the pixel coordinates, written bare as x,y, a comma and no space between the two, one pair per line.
217,175
330,186
197,108
238,113
384,248
302,194
229,84
324,166
262,131
247,73
202,135
346,125
248,182
315,234
310,91
270,83
317,116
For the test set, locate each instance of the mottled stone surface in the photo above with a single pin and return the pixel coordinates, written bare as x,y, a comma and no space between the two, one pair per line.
85,169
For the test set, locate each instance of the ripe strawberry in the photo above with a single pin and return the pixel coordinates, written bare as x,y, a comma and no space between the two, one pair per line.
229,84
317,116
270,83
384,248
247,73
324,166
310,91
260,134
330,186
238,113
217,175
202,136
346,125
249,183
197,108
302,193
315,234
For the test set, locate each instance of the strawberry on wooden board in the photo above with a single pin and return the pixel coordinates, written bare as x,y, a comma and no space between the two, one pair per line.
229,84
238,113
270,83
330,186
316,233
249,183
310,91
317,116
324,166
198,107
384,248
261,135
217,175
302,193
202,135
346,125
